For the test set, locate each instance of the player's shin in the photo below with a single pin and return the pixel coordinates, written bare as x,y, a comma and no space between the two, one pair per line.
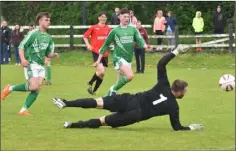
93,79
98,83
123,80
30,100
48,74
83,103
20,87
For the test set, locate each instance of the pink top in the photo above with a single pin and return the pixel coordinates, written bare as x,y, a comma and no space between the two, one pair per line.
159,24
133,21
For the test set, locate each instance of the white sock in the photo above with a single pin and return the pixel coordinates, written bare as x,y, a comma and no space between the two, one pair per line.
176,52
23,109
11,88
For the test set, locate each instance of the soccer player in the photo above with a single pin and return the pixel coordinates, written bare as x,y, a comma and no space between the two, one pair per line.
98,33
33,49
123,37
132,108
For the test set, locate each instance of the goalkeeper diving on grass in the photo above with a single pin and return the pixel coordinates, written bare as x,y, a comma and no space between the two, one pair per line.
132,108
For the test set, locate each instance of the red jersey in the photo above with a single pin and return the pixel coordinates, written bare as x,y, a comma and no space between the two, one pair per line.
98,37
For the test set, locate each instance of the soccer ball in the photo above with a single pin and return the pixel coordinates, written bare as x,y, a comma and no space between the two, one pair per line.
227,82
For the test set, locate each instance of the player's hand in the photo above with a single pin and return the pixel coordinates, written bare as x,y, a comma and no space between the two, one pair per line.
89,47
96,63
148,48
56,55
195,126
24,63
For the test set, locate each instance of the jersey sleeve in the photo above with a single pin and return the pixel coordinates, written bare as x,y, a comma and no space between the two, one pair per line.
50,48
26,41
109,40
161,67
138,38
88,32
175,122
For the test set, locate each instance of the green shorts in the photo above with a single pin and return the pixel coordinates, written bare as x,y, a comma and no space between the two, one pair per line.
34,71
120,62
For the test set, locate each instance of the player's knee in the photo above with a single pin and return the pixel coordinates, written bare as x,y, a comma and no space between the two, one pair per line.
130,77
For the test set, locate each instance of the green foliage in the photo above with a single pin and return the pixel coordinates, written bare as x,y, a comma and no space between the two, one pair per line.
66,13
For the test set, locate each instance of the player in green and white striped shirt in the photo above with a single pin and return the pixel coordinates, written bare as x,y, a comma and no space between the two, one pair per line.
123,37
33,49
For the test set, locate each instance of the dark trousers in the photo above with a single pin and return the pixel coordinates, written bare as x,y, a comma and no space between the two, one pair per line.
140,56
16,51
4,54
159,40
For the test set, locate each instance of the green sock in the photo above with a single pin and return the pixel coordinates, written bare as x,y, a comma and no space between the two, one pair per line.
21,87
123,80
48,73
30,99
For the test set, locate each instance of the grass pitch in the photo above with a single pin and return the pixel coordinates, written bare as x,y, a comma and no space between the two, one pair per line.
204,103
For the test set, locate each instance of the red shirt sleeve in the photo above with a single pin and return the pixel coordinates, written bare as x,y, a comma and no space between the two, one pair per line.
88,32
146,36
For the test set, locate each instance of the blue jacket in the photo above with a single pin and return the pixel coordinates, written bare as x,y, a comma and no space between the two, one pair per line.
172,22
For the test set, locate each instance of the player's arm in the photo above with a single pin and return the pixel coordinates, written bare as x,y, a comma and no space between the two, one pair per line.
175,122
23,45
139,39
50,50
86,36
109,40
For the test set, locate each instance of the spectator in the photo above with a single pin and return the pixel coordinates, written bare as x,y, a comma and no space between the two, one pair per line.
218,21
170,30
16,37
159,27
31,27
115,17
5,35
133,19
140,52
198,25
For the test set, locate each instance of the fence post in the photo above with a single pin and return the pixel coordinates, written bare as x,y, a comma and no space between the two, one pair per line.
176,36
231,38
71,37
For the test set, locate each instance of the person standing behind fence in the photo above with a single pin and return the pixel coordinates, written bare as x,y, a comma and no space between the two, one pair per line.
171,23
140,52
16,37
218,21
5,35
159,27
198,24
115,17
133,20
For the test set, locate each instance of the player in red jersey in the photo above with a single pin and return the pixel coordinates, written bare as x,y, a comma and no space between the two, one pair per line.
98,33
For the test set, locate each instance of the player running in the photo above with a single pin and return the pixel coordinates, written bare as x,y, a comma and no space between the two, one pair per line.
123,37
33,49
132,108
98,33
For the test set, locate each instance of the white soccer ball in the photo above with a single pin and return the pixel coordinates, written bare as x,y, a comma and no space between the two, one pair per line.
227,82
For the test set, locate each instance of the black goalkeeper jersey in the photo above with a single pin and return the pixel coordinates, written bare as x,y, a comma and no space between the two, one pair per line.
159,100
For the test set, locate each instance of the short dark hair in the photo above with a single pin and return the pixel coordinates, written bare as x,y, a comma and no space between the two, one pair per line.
179,85
124,11
102,13
42,14
31,24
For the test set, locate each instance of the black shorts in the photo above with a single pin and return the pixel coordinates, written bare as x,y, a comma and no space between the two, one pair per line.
198,33
121,103
126,107
104,60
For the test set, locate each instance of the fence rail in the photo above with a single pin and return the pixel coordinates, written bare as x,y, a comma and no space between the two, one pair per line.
230,36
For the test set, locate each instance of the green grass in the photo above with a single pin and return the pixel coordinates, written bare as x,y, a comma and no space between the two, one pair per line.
204,103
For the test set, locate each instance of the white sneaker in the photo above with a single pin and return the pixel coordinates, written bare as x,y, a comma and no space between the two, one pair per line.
67,124
59,102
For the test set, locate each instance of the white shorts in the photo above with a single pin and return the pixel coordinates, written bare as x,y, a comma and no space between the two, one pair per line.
120,63
34,71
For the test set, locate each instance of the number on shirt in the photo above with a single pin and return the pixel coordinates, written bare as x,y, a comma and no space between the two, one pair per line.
162,98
